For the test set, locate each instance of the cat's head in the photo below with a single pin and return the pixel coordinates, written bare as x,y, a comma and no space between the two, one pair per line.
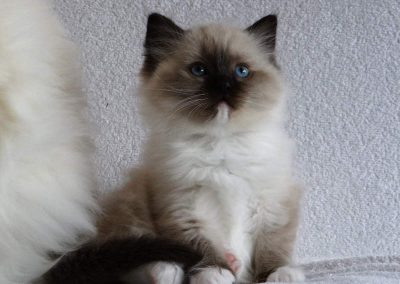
212,73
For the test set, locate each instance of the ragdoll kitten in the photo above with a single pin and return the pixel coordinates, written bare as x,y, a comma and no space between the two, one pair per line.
46,185
216,172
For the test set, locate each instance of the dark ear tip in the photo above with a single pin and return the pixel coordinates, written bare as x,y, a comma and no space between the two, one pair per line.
154,17
265,29
270,22
272,19
157,19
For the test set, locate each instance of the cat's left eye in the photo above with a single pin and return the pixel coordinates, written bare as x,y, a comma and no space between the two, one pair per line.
242,71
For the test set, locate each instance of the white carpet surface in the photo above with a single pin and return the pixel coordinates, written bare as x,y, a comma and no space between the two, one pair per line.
342,58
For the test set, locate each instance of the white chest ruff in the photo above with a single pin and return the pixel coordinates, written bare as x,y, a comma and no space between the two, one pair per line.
224,202
229,177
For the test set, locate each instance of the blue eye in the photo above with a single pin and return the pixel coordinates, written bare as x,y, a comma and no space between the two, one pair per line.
242,71
198,70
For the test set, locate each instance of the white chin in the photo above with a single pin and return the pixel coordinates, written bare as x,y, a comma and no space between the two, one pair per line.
223,113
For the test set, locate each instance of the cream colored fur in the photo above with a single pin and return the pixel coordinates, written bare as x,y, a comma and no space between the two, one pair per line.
46,179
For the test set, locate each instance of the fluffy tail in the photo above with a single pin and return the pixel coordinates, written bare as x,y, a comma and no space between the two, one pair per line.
106,263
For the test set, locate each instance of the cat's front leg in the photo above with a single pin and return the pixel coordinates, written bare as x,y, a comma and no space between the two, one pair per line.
214,267
272,257
273,247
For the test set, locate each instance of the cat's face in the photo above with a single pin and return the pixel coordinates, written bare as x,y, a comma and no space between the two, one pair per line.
211,72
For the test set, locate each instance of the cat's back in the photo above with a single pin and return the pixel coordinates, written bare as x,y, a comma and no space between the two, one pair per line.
39,73
42,108
46,181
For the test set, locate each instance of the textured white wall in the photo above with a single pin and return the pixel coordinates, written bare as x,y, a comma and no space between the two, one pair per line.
342,59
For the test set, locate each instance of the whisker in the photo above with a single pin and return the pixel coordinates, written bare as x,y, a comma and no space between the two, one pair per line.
186,103
248,101
171,89
197,107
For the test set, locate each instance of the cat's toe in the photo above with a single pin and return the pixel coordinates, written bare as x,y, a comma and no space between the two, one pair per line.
213,275
286,274
233,262
166,273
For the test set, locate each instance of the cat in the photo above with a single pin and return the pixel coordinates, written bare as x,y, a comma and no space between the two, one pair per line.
216,171
47,186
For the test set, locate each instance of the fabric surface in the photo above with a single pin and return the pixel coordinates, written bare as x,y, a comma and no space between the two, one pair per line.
342,60
368,270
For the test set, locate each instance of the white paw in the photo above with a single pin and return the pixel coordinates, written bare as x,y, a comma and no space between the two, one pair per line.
213,275
166,273
286,274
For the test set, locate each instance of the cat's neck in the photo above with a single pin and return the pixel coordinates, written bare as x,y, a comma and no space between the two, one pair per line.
192,134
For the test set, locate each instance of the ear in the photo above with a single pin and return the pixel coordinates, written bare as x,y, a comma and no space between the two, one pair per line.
265,30
161,36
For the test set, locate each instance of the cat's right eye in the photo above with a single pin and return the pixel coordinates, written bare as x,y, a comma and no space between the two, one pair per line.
198,69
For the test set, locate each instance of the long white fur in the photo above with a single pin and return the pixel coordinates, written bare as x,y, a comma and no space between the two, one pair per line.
46,184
